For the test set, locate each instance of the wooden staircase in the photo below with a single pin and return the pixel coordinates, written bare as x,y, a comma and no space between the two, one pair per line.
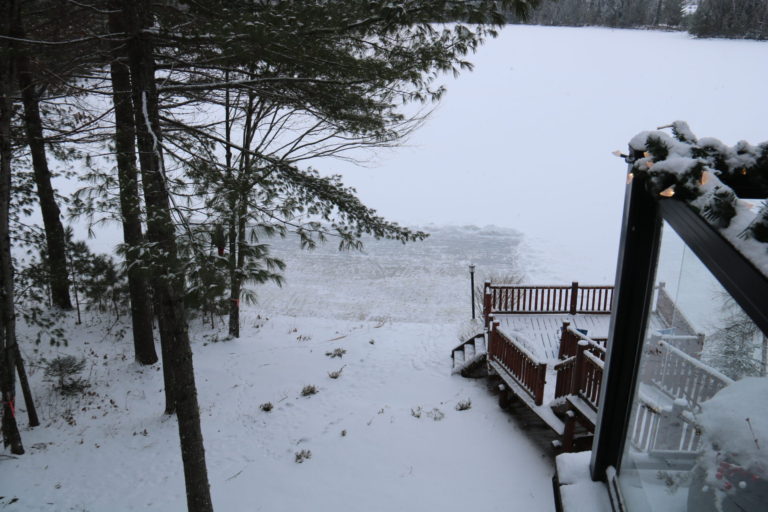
570,407
470,356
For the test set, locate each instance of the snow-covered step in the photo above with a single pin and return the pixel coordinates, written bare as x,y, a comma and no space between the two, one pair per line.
458,358
469,354
480,347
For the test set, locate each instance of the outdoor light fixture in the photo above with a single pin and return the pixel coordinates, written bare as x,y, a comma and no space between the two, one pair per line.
472,286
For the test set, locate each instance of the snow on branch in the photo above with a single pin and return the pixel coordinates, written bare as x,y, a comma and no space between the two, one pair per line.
709,175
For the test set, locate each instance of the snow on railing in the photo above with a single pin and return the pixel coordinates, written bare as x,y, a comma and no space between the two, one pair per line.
518,361
683,382
658,428
569,339
582,374
683,376
543,299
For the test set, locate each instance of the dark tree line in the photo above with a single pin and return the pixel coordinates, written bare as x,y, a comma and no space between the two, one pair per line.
743,19
610,13
747,19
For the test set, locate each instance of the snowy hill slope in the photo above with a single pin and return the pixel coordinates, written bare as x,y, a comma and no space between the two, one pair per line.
385,435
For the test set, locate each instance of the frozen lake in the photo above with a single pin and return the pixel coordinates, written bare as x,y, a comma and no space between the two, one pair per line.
525,141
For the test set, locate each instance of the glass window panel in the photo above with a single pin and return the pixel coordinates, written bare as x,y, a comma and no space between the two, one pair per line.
698,433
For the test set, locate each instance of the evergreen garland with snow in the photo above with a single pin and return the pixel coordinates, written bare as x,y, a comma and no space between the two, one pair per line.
708,175
719,207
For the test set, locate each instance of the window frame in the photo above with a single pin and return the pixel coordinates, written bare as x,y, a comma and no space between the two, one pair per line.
635,275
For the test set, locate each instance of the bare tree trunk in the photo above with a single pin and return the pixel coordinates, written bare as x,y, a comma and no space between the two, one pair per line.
237,221
11,435
25,389
168,280
54,230
234,280
125,137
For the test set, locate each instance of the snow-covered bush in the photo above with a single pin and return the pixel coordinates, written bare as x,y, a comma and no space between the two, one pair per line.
464,405
309,390
732,471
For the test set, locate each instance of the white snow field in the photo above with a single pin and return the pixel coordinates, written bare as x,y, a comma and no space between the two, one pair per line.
524,143
525,140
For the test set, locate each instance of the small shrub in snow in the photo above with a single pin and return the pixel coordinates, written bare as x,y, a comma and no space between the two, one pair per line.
416,413
336,374
303,455
343,433
463,405
303,337
436,414
372,341
63,369
337,352
511,276
308,390
266,407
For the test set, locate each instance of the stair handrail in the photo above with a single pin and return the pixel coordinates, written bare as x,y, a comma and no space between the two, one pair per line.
522,365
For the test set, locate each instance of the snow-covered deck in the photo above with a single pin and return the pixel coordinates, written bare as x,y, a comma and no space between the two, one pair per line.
542,331
548,345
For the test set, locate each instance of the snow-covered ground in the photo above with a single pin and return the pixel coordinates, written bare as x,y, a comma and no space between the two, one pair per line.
522,143
385,435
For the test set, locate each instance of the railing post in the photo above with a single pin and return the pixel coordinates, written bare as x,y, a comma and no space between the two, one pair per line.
564,338
578,368
541,382
654,360
490,340
498,351
699,345
487,302
574,296
669,430
659,291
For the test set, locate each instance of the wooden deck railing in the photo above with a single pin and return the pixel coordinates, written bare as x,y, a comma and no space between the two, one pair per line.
680,375
564,381
670,429
569,340
533,299
521,365
582,373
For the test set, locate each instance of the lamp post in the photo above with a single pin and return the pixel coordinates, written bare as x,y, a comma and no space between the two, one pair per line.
472,286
